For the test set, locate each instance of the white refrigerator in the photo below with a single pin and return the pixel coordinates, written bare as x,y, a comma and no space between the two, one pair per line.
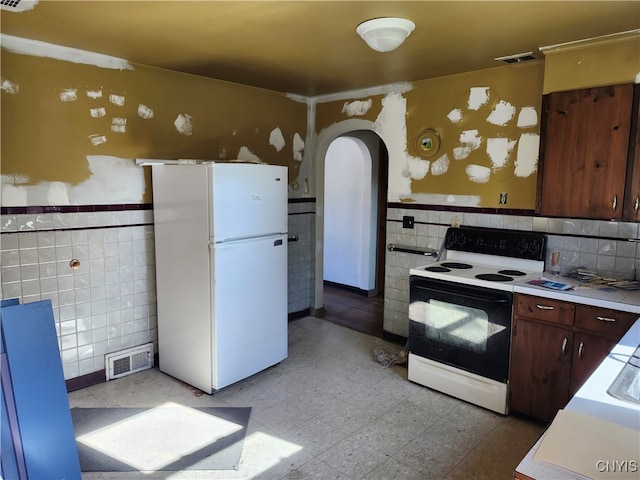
221,270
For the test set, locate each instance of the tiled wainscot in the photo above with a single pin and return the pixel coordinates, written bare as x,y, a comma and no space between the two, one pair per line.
108,302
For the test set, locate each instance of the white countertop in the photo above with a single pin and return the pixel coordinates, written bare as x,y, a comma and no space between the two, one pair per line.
592,399
586,294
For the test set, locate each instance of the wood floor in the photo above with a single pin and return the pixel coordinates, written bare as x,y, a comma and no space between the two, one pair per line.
354,310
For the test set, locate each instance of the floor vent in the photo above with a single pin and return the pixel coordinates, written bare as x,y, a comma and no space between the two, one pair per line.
131,360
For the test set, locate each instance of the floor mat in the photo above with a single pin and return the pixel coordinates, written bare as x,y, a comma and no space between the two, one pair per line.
166,438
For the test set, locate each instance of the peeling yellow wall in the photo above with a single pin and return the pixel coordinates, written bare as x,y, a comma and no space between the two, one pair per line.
605,61
473,174
52,122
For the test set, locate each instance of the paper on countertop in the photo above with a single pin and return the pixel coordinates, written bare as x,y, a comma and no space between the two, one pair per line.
591,447
552,284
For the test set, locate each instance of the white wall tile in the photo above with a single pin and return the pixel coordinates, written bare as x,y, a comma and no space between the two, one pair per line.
9,223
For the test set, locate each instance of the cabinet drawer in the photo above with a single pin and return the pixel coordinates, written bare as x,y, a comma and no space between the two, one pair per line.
544,309
603,321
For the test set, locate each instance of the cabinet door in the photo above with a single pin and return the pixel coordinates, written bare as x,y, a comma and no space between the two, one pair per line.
588,353
584,152
540,369
632,196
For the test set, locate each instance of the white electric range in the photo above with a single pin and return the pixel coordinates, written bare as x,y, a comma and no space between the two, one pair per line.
460,312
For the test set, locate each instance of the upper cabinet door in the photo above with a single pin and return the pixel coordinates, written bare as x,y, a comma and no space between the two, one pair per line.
584,152
632,196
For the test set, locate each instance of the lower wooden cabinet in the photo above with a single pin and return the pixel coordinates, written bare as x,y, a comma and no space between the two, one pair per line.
555,347
540,369
588,352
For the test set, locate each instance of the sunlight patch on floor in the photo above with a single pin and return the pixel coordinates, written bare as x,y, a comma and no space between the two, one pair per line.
149,446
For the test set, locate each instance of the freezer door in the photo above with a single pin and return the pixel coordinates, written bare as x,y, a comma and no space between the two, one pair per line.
250,307
248,200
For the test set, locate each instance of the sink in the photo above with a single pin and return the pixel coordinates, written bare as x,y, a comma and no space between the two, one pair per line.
626,385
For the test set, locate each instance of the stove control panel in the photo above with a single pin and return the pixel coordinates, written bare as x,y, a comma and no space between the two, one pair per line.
505,243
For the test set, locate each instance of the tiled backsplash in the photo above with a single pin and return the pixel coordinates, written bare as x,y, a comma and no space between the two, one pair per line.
109,301
610,248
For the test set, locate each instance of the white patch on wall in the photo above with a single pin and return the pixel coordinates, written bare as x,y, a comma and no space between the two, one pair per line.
455,115
446,199
183,124
112,180
440,166
499,150
94,94
97,112
391,127
469,141
478,173
58,194
117,100
528,117
246,155
9,86
501,114
97,139
145,112
527,157
119,125
298,147
478,96
24,46
357,108
14,195
417,168
276,139
69,95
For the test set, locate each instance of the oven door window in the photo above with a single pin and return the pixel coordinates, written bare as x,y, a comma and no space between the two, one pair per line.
457,325
463,326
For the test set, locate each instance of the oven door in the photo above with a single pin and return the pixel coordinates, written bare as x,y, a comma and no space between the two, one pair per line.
464,326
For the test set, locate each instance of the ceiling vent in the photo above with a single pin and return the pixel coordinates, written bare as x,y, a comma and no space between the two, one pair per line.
17,5
517,58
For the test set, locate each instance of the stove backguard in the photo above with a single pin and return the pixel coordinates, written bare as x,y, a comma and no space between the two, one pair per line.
505,243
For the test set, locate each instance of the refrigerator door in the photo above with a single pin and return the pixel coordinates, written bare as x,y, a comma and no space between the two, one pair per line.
248,200
250,307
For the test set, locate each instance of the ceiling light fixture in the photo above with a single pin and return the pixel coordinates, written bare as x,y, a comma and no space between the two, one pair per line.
385,34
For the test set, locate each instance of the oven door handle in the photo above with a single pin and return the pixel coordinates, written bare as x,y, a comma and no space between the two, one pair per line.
466,295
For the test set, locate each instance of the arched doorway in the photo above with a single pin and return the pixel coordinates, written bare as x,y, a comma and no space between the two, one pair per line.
351,219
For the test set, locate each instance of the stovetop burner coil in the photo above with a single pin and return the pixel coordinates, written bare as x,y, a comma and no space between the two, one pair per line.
437,269
494,277
512,273
456,265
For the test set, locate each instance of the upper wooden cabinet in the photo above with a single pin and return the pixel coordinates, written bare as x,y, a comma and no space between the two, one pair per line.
632,197
586,154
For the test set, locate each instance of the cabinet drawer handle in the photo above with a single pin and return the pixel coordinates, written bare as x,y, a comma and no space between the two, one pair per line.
636,204
564,346
580,350
615,202
544,307
606,319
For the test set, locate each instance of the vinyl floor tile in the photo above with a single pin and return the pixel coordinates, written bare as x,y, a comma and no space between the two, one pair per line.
330,411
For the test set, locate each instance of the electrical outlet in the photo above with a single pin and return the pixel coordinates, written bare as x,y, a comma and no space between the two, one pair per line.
455,222
503,198
407,222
